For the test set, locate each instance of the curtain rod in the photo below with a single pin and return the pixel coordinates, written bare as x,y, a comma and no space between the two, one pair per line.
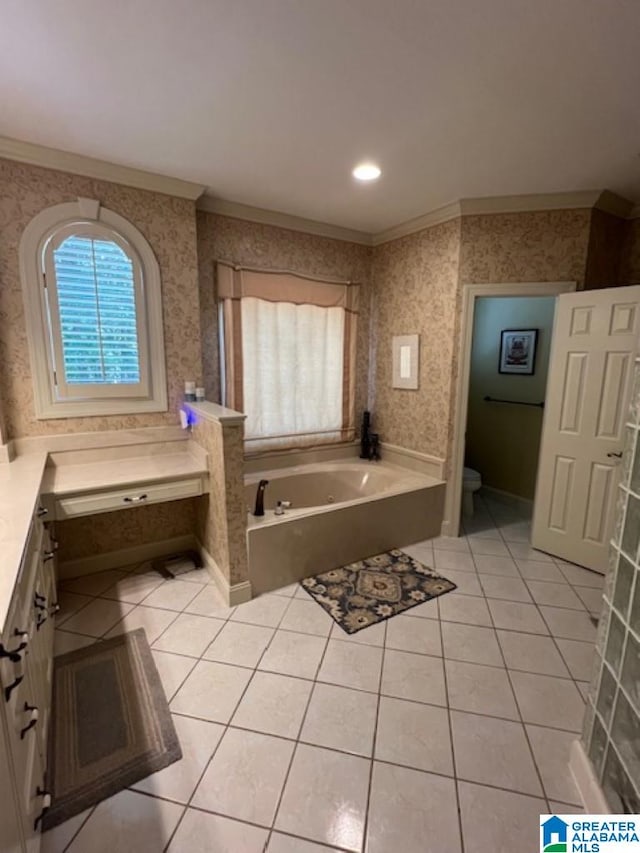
320,278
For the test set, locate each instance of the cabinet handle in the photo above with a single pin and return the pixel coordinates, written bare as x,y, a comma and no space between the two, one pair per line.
42,618
137,500
614,455
39,601
42,511
33,719
8,690
14,654
48,555
55,608
46,804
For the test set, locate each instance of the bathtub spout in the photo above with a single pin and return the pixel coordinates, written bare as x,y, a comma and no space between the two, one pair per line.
259,507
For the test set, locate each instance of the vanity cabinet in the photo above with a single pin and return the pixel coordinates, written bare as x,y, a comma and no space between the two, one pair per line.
26,672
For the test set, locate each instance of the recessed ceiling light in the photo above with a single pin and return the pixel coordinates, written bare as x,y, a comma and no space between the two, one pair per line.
366,172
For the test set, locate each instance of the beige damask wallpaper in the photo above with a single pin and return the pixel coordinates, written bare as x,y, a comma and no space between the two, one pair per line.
418,282
170,227
111,531
270,247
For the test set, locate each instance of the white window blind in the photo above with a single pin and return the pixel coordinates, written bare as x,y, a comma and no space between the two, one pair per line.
96,306
293,371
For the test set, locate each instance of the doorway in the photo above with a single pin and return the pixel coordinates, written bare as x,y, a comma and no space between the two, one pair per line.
471,295
510,350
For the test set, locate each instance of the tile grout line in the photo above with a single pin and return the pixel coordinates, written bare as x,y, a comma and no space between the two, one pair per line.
374,745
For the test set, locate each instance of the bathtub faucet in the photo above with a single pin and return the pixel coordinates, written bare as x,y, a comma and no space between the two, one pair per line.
259,507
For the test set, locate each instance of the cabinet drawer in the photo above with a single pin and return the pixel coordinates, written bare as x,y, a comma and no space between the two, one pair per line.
116,499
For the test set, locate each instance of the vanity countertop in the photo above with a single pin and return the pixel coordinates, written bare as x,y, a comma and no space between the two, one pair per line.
88,476
20,482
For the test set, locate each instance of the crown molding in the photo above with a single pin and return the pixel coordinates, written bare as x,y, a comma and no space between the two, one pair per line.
89,167
235,210
427,220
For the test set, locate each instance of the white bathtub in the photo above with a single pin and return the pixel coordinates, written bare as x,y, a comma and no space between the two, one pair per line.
340,512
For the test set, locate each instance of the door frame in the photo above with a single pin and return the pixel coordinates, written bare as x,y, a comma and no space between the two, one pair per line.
471,292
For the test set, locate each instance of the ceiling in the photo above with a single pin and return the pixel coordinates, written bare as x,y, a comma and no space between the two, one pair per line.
271,103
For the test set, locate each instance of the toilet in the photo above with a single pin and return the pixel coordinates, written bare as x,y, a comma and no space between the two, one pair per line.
471,482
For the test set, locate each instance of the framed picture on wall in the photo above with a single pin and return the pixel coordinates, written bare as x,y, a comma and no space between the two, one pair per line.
518,351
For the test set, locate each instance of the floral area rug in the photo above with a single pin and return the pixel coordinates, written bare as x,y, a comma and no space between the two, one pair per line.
372,590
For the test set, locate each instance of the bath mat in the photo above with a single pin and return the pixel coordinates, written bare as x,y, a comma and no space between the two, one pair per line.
110,724
375,589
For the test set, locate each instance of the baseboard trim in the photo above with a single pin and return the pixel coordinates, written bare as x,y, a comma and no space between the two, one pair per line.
525,503
584,776
125,556
232,593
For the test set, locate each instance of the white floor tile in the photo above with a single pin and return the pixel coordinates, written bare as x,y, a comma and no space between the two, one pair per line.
501,566
568,624
178,781
93,584
421,551
64,642
172,669
200,832
134,588
410,676
427,610
293,654
494,820
413,812
189,635
351,665
273,704
339,718
57,840
464,609
551,750
152,619
531,653
471,643
493,752
548,701
518,531
129,823
288,844
524,551
480,689
307,617
515,616
69,603
467,583
173,595
414,635
96,618
540,571
460,561
482,545
209,602
450,543
414,735
288,591
265,610
578,576
591,598
579,657
239,644
211,691
555,594
509,589
245,777
325,797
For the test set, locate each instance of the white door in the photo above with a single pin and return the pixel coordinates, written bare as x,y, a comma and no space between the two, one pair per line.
595,340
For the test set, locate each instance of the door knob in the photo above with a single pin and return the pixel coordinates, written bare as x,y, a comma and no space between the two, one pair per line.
614,455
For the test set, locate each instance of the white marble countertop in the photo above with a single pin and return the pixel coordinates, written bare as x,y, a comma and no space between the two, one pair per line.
113,473
19,491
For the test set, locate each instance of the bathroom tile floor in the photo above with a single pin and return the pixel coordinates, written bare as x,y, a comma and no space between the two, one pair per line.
451,723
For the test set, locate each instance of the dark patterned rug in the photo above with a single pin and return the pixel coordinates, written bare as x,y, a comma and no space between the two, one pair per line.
372,590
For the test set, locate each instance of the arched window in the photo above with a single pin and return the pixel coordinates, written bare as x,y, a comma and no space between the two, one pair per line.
91,286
